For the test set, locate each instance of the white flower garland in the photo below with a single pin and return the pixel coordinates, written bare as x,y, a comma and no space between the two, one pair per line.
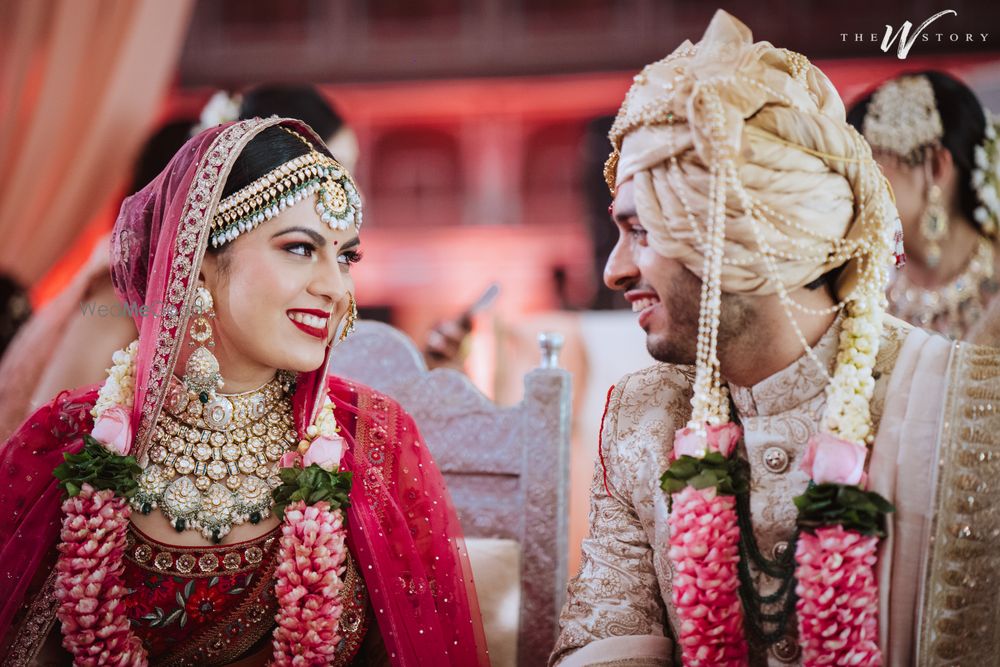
848,413
119,388
986,178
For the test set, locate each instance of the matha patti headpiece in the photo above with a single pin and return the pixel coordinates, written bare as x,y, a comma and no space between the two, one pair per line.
337,200
903,118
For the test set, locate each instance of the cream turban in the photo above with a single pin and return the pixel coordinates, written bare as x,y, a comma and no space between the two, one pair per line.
818,196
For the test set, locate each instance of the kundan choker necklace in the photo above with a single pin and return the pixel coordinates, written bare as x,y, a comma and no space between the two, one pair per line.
959,302
213,466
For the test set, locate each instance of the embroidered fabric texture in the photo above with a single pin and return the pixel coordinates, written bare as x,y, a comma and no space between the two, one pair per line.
958,624
611,594
209,606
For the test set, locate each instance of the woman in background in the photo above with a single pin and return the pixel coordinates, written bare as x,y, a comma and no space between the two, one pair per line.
938,147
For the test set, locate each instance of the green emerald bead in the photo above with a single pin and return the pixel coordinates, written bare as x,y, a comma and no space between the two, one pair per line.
203,397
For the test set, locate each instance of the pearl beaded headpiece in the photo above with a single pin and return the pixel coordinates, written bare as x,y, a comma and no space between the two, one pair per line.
337,200
747,172
903,118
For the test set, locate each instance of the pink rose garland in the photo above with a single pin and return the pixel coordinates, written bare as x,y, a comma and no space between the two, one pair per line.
838,593
704,552
89,585
838,598
113,429
311,560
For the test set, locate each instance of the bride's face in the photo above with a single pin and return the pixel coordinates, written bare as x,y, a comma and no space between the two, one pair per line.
280,292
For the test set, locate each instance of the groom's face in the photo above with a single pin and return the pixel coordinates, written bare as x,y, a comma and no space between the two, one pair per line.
663,293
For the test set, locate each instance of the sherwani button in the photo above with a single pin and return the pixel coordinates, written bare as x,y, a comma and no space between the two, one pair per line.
775,460
779,550
786,650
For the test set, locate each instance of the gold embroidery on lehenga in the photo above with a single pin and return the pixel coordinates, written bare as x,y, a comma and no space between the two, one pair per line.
961,592
36,626
197,562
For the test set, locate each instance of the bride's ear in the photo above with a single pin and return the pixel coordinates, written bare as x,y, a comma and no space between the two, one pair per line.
209,274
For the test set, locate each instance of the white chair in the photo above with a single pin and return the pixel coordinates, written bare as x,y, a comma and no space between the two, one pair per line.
507,471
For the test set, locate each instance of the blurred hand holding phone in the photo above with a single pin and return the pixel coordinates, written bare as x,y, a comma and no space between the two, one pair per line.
446,341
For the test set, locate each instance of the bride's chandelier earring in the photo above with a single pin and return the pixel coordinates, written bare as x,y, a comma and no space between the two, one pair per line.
352,317
934,224
201,373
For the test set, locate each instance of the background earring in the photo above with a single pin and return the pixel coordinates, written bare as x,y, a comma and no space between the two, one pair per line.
934,224
201,373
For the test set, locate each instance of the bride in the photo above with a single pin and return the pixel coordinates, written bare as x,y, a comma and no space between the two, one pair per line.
219,499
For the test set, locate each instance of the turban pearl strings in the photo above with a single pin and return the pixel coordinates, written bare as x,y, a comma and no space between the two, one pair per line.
747,173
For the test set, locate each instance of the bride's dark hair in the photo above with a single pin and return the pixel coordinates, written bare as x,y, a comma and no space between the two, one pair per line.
270,149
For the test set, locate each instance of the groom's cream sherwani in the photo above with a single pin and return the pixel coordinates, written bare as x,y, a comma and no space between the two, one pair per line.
936,457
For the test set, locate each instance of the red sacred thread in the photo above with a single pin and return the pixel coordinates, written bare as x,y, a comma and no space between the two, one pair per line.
600,440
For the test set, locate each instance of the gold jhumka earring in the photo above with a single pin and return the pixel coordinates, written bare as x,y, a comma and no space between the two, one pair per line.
201,373
934,224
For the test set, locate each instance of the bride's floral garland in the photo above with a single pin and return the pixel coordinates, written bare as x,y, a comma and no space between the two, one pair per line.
98,482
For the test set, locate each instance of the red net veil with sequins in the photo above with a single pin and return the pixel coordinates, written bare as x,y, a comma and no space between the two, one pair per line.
403,529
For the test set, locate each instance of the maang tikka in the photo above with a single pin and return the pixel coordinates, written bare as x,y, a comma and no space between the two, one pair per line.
201,373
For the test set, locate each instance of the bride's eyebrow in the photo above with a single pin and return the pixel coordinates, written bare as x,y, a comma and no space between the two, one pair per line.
316,237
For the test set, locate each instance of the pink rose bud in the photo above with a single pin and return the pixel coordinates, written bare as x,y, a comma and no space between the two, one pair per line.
722,438
832,460
290,460
324,452
688,442
113,429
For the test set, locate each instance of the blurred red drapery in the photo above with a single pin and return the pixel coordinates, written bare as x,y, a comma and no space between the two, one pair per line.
80,83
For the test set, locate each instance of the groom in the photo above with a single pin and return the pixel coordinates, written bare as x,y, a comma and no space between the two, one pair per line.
755,236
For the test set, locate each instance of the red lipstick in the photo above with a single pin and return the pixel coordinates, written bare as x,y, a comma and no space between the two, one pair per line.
316,332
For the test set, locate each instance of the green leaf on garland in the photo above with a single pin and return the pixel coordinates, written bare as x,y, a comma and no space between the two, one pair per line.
714,470
99,467
848,506
312,485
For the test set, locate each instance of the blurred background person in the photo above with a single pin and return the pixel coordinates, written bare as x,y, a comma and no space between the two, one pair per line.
15,309
937,145
68,341
304,102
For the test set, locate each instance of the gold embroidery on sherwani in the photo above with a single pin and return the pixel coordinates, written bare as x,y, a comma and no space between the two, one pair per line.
959,608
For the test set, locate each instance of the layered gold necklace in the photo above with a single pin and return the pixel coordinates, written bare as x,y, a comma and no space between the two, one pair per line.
213,465
953,308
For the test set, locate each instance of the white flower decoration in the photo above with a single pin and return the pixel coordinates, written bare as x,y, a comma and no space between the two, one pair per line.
119,388
986,178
